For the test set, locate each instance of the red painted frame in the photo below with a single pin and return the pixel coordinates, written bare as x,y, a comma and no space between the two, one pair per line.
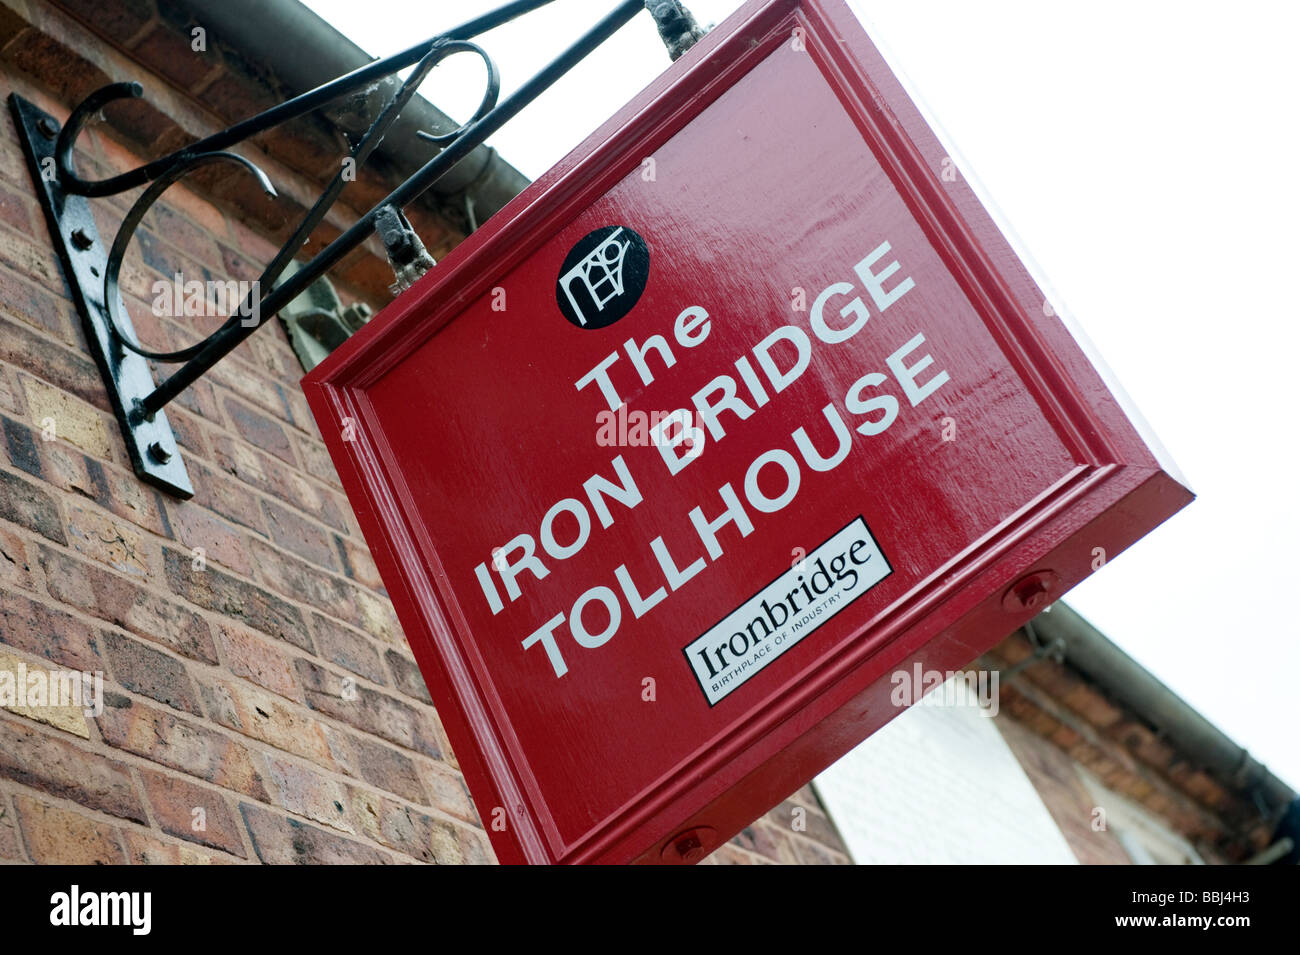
1119,490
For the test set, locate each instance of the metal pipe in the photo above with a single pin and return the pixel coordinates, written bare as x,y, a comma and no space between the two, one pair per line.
1278,850
318,53
299,105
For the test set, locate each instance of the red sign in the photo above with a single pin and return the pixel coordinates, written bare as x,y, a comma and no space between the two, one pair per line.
744,407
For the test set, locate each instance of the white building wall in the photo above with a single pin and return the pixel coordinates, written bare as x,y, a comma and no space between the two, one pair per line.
939,785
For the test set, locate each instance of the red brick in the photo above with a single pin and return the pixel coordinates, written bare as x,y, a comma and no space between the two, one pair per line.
118,601
12,399
1206,791
273,476
118,22
60,837
728,854
21,447
235,96
450,794
67,468
299,411
144,848
259,430
228,498
200,399
223,544
15,571
21,298
300,536
183,745
332,595
13,167
108,541
17,211
234,598
814,853
816,825
153,327
72,371
476,847
261,716
763,839
35,260
47,632
308,145
61,769
198,211
307,793
348,648
382,766
174,801
250,382
417,834
253,243
154,331
407,677
152,673
359,565
27,505
188,431
168,262
316,460
10,845
369,272
125,495
171,53
276,358
239,267
257,660
280,840
369,710
129,497
1092,706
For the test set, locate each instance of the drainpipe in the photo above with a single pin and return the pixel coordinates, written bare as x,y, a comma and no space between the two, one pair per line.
304,51
1087,649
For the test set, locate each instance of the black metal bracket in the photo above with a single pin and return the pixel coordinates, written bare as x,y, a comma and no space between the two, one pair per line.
150,443
92,274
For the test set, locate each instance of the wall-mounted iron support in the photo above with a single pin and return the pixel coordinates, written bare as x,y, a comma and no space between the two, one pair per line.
92,273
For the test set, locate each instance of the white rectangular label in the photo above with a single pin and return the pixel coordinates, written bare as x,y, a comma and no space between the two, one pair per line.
799,601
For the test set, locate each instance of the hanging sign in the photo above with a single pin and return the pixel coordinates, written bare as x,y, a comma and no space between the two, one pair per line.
744,408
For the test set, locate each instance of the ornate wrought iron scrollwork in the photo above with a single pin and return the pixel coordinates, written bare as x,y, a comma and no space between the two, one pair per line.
119,322
93,274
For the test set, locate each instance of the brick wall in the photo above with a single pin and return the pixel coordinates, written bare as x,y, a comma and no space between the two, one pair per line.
1058,722
261,704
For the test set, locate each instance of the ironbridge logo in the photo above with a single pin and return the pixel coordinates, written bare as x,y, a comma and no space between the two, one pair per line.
796,603
602,277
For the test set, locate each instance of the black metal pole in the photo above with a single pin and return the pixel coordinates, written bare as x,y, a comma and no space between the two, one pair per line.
229,336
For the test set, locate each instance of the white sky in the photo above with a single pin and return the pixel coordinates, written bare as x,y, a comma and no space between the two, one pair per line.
1145,155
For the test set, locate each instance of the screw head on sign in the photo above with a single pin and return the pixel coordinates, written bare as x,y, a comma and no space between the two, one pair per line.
81,239
159,453
48,127
690,845
1032,592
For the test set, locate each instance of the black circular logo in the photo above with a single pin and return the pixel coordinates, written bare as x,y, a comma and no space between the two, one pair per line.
602,277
